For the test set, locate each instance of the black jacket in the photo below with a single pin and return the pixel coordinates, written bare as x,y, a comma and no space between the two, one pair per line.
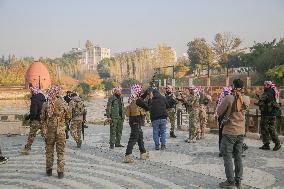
267,104
171,101
157,106
36,105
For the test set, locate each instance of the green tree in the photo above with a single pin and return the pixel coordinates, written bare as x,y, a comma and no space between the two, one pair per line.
108,84
226,46
277,73
200,54
182,64
104,67
266,58
83,88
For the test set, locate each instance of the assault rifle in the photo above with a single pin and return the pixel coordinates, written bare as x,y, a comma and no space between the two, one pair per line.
84,125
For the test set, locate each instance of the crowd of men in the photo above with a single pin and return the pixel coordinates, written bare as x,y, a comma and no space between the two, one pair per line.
230,113
55,116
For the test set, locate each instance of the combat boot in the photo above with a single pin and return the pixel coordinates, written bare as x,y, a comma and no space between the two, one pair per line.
128,159
3,160
119,145
144,156
172,134
79,143
239,184
111,146
25,151
49,172
227,184
265,147
60,175
245,147
277,146
67,135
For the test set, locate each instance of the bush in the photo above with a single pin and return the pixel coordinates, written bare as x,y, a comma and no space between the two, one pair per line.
108,84
197,81
282,93
83,88
218,78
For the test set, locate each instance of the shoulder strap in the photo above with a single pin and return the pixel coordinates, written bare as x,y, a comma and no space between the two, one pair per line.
229,110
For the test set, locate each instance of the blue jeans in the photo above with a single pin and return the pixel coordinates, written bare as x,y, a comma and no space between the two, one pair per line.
159,131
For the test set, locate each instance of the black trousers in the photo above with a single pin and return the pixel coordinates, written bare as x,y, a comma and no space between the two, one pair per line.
136,135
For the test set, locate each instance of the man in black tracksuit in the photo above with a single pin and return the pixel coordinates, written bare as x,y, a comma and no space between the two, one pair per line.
157,105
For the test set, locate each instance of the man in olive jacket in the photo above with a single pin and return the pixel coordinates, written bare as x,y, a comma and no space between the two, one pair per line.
115,115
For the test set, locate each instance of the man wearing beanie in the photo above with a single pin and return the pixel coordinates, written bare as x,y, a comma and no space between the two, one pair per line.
233,106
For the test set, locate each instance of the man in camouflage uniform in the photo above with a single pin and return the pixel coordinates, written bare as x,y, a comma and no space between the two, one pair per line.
79,112
269,108
171,111
193,111
203,101
115,116
55,112
37,100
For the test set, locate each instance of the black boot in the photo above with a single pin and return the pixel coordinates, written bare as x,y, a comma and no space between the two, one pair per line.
66,133
157,147
49,172
111,146
238,184
245,147
60,175
172,134
119,145
79,143
163,147
277,146
265,147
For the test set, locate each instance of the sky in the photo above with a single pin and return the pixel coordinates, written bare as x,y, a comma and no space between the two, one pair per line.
48,28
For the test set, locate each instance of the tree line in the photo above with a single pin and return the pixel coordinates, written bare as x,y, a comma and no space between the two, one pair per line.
139,65
267,58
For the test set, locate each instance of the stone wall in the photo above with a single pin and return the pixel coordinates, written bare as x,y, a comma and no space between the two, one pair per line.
13,93
12,124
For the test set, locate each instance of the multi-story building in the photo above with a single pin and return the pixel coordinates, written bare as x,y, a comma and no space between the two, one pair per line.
92,55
